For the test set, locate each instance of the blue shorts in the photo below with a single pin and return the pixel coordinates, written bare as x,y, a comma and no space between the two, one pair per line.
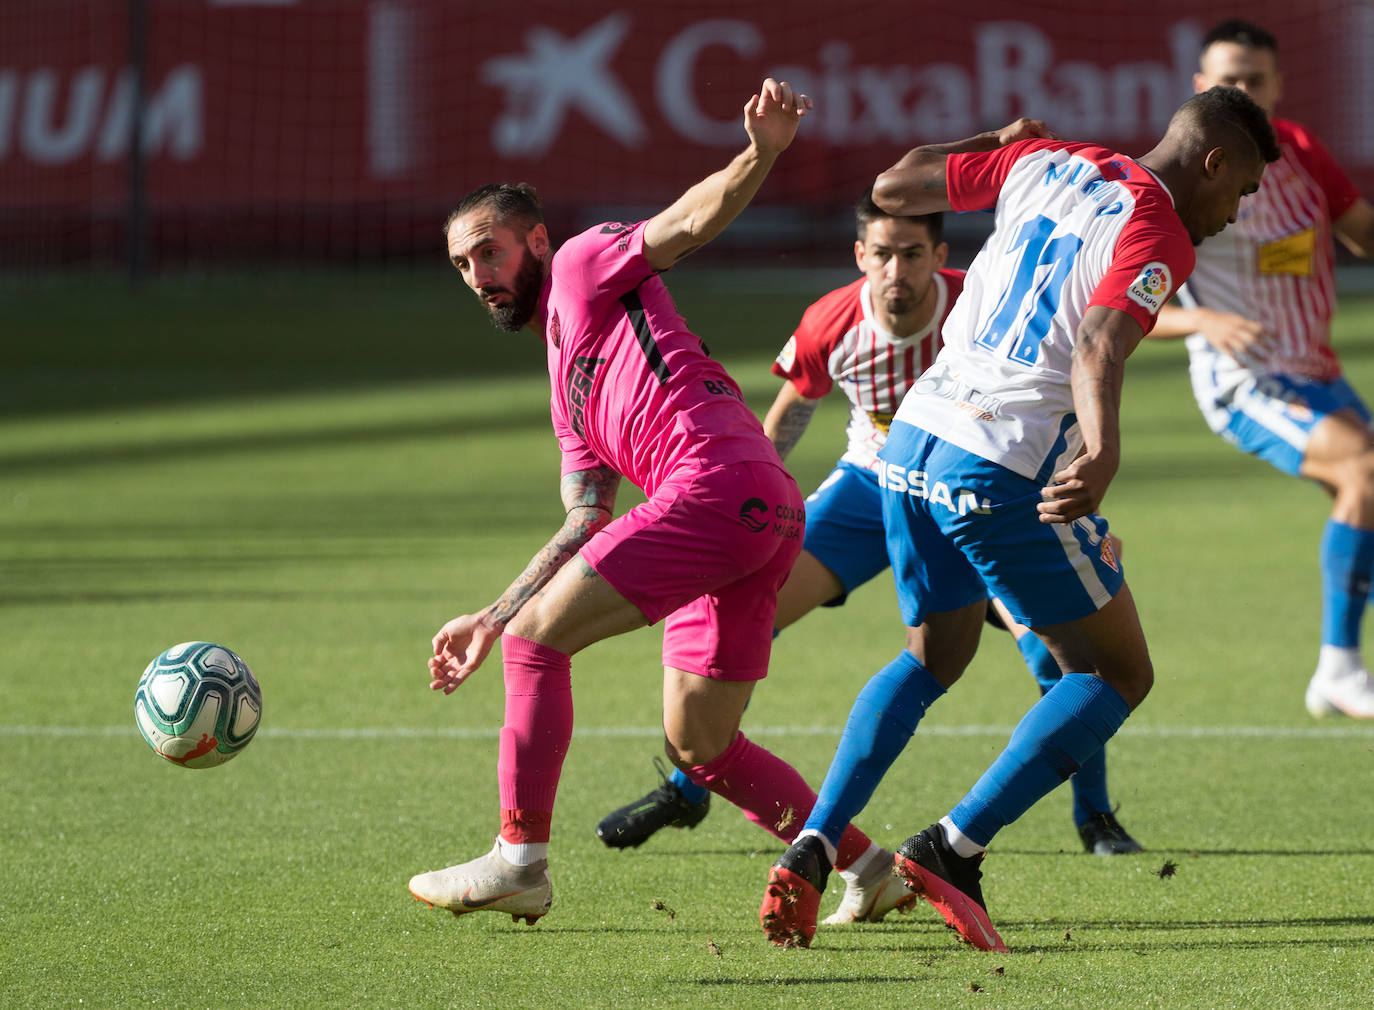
844,527
1272,416
961,528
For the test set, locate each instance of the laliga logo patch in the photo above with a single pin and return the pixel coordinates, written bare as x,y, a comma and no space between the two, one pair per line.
1108,555
1151,289
787,357
555,331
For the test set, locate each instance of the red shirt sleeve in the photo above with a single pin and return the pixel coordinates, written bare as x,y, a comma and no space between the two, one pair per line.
1340,192
805,359
1153,257
974,179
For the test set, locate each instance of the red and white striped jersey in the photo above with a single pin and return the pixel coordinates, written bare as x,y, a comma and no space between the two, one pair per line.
839,341
1275,265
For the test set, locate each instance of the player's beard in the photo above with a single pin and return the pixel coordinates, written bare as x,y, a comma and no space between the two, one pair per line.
907,301
511,316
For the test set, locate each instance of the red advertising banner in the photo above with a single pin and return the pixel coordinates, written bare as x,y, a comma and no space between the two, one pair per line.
319,127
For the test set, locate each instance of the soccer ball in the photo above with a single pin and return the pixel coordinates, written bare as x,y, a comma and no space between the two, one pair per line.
198,704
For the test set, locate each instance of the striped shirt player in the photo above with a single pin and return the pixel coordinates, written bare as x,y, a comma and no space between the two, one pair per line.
1275,265
840,341
1257,313
998,456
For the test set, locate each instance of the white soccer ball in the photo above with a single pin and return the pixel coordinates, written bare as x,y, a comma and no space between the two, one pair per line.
198,704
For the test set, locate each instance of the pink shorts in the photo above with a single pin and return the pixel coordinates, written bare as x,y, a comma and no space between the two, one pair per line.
708,552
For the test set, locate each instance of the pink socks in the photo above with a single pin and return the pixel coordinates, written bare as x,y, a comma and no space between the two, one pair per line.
535,737
771,793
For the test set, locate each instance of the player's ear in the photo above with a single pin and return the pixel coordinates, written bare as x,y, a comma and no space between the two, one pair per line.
1199,84
538,240
941,255
1214,162
859,255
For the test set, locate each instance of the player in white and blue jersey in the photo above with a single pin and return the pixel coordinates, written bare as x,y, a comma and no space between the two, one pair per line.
998,459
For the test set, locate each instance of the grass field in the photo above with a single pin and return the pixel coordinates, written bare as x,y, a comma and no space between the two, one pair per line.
318,471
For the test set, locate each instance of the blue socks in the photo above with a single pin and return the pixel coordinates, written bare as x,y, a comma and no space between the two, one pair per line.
884,716
1347,561
1067,726
1090,781
691,792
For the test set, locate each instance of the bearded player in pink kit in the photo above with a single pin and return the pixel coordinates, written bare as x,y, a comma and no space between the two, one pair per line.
634,395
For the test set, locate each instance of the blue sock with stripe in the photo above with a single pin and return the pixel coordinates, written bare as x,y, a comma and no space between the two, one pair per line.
1347,562
884,716
1067,726
1090,781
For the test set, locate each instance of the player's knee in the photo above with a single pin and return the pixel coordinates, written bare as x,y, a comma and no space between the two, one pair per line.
691,750
1132,681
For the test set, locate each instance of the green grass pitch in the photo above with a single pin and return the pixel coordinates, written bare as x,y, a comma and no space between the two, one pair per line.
318,471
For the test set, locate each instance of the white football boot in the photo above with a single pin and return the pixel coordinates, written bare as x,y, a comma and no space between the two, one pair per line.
488,884
870,896
1350,692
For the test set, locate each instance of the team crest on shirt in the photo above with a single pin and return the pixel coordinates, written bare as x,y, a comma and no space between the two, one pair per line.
1151,287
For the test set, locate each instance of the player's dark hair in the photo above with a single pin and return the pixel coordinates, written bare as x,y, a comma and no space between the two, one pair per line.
1242,33
514,202
1231,109
866,212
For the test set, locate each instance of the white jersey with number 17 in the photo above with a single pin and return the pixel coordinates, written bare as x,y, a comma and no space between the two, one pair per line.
1076,225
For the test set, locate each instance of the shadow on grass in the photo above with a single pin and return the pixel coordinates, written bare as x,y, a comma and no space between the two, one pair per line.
45,460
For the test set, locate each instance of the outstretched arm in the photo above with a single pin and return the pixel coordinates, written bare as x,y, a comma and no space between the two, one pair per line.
916,184
701,213
1228,332
464,642
1106,337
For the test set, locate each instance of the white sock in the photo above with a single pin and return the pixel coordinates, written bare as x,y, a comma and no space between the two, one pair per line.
1334,661
865,862
524,853
830,852
961,843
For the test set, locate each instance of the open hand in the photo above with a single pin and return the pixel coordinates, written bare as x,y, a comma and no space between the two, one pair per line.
459,648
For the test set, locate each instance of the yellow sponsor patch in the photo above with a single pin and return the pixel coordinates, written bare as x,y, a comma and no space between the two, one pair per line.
880,421
1290,255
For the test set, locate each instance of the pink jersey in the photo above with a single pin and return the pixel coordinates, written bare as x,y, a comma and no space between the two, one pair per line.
839,340
632,387
1275,264
1076,225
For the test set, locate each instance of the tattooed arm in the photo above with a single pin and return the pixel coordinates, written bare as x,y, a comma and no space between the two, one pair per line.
787,419
464,642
